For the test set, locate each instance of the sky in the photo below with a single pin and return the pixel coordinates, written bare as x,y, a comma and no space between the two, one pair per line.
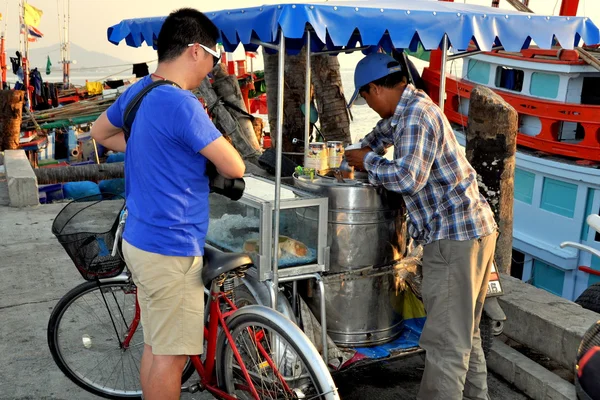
91,18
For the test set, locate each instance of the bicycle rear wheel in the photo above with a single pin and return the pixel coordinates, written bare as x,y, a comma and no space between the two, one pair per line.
85,335
281,361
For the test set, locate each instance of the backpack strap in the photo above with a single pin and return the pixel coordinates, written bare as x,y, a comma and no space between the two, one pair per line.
133,106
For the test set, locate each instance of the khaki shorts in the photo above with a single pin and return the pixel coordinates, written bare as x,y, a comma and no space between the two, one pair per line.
171,297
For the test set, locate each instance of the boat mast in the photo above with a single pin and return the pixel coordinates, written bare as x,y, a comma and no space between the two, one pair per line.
568,8
3,50
25,63
65,45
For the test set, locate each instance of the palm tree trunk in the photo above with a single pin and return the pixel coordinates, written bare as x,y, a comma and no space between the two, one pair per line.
293,118
11,113
330,99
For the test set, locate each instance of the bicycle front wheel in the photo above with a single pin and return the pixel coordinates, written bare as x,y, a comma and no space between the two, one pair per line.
280,360
86,333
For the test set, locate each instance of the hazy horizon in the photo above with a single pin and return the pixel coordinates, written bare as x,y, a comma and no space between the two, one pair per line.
90,20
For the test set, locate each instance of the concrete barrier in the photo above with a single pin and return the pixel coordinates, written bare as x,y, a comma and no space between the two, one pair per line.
533,379
21,180
544,322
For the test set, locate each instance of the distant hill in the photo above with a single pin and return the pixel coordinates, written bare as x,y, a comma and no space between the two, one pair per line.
85,58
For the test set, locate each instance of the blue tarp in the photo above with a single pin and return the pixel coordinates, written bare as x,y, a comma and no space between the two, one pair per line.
408,339
386,23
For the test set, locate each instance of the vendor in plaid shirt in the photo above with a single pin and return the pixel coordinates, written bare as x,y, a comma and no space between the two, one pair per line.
447,214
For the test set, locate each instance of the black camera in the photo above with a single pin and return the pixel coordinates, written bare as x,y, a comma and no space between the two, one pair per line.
230,188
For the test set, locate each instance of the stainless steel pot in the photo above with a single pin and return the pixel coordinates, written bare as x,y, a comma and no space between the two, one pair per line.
363,309
364,222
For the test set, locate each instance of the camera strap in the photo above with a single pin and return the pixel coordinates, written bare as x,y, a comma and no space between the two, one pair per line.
133,106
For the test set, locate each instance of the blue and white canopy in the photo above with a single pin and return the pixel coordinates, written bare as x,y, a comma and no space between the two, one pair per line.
386,23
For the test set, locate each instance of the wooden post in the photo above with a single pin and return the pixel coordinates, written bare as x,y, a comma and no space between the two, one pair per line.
11,113
491,148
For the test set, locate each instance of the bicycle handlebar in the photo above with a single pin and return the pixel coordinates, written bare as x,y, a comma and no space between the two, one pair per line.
593,220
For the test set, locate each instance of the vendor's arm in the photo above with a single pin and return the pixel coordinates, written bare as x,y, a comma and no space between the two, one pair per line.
108,135
380,138
408,174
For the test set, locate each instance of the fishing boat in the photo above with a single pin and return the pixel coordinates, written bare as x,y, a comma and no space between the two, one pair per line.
557,178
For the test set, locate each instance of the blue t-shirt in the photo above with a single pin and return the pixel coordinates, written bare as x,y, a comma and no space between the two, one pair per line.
166,186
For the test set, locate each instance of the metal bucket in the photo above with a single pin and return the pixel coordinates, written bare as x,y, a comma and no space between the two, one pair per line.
364,223
363,309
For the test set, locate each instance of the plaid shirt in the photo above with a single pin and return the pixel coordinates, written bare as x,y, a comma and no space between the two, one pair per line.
429,169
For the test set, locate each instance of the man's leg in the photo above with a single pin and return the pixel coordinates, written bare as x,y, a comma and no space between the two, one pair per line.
452,280
171,297
476,382
145,367
164,378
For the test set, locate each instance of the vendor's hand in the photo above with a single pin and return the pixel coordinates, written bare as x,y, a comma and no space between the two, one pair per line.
356,158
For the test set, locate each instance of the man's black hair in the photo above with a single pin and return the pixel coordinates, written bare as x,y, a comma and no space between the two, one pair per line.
183,27
389,81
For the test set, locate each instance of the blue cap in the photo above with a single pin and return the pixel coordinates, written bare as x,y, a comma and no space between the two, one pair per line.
369,69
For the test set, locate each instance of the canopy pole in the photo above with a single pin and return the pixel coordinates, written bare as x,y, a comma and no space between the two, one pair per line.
307,96
443,72
280,86
464,54
346,50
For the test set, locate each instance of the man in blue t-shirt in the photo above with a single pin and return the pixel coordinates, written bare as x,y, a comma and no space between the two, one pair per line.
167,191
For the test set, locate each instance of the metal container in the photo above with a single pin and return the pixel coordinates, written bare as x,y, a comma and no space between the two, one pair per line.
364,225
363,309
363,222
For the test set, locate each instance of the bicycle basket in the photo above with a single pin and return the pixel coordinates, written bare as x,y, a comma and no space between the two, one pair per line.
86,228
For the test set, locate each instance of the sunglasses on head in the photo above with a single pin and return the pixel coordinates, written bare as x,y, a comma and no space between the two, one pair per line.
216,56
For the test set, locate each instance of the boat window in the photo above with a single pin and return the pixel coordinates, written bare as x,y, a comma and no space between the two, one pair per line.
478,71
509,78
524,181
547,277
544,85
559,197
590,93
595,264
588,210
516,267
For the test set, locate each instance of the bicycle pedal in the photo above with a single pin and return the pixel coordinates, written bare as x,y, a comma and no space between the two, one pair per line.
192,388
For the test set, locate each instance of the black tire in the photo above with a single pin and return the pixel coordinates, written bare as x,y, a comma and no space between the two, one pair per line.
486,327
243,296
54,328
590,298
238,324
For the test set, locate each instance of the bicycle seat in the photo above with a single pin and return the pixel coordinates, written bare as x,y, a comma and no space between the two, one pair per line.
217,262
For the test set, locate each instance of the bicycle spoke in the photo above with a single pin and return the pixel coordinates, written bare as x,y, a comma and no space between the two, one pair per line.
273,365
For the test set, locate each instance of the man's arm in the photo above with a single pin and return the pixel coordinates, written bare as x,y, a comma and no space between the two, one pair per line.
408,174
107,134
225,157
380,138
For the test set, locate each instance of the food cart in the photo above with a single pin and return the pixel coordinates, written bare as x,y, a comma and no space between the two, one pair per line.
339,241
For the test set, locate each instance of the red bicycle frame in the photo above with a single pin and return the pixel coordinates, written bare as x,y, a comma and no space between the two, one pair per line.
207,370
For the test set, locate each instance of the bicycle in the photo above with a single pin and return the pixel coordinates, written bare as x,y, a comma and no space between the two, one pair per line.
592,336
253,352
